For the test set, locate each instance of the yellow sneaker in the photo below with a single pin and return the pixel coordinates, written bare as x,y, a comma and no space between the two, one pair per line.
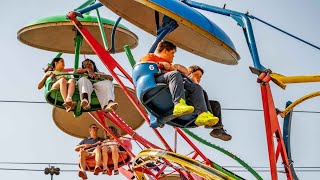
207,119
182,108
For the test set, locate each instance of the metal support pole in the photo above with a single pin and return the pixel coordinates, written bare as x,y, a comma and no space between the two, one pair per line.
59,55
286,138
113,35
206,160
111,64
162,32
103,34
129,55
273,129
85,4
242,19
52,171
89,8
78,41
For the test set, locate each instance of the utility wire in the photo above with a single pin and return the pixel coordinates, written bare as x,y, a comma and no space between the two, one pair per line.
277,171
37,170
31,102
291,35
45,163
225,109
12,169
260,110
263,167
70,170
226,166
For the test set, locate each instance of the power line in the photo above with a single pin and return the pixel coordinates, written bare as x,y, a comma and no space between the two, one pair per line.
36,170
30,102
71,170
35,163
277,171
260,110
263,167
225,109
226,166
13,169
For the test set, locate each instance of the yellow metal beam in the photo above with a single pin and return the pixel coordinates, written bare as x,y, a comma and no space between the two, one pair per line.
190,164
281,80
300,100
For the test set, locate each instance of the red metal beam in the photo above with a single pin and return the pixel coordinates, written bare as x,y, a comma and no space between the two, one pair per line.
100,119
197,151
273,131
111,64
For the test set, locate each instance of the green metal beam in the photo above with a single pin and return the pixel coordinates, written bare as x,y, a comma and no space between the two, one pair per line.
103,34
129,55
78,41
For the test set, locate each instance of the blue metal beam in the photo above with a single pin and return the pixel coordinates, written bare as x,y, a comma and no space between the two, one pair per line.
242,19
89,8
286,138
168,25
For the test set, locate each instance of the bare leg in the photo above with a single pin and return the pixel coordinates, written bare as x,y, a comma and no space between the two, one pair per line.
83,156
105,158
115,156
62,85
71,87
97,153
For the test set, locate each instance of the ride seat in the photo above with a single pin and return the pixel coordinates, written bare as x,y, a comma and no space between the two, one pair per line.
156,97
124,158
53,97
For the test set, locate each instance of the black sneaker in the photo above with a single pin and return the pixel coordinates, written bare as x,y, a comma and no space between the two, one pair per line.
217,126
220,134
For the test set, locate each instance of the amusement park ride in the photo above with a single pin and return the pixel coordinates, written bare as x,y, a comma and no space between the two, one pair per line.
172,20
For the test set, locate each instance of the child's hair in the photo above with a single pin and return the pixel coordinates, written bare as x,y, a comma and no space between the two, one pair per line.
95,69
195,68
114,131
165,45
52,65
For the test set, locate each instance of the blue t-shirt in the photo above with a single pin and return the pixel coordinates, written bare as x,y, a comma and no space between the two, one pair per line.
91,141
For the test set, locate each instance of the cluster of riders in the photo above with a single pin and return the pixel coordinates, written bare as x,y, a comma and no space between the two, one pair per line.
209,111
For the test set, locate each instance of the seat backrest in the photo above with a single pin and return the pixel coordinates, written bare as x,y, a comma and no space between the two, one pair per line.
143,77
124,157
54,97
157,97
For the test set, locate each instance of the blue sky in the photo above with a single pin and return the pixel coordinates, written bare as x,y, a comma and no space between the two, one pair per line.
29,134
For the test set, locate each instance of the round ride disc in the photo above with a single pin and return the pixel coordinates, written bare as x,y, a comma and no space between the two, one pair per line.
57,34
195,32
79,127
171,177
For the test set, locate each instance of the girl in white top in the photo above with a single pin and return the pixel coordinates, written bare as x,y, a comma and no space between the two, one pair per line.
103,87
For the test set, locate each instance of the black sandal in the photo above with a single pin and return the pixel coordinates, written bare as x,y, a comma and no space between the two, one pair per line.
107,171
116,172
97,170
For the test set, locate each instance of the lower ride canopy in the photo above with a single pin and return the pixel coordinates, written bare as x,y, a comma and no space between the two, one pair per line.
195,32
57,34
79,127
